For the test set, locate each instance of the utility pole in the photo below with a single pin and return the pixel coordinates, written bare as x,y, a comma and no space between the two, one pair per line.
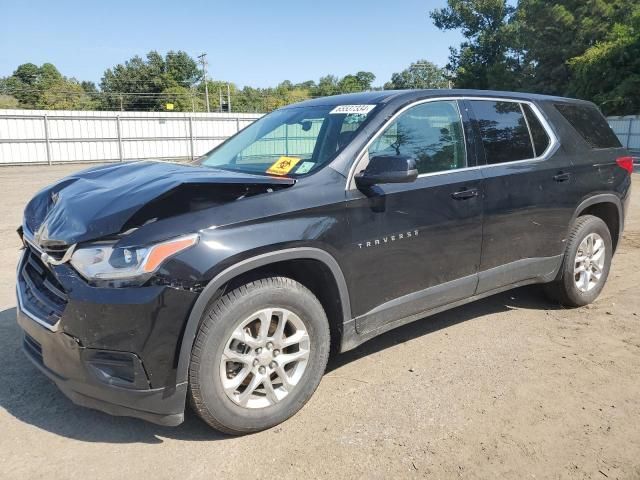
449,73
203,61
228,99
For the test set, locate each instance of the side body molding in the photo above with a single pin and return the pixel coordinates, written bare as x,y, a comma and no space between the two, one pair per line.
244,266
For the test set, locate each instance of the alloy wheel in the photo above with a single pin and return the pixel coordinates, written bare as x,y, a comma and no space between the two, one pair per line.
265,358
589,262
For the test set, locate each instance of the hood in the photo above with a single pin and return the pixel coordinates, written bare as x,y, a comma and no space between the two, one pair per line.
107,200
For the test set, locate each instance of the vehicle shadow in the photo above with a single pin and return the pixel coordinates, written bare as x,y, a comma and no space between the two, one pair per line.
30,397
528,298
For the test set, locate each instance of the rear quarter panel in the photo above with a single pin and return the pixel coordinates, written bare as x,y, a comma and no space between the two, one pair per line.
594,171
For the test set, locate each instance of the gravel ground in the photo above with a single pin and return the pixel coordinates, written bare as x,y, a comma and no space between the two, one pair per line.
510,386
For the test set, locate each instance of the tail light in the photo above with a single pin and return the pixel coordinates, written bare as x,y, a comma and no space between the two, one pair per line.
626,163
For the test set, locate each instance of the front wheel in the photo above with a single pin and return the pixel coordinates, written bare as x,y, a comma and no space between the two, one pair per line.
259,355
586,263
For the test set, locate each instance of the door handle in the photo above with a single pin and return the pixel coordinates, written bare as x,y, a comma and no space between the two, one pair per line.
465,194
562,177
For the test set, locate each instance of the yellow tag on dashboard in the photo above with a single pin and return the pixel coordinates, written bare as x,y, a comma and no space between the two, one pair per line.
283,165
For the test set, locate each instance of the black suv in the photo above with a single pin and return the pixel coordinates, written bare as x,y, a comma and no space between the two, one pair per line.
316,228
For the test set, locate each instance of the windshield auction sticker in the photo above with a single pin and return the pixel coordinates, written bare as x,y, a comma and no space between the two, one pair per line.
361,109
283,165
304,167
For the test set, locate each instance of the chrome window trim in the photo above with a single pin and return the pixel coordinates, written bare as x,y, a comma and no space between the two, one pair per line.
553,139
56,326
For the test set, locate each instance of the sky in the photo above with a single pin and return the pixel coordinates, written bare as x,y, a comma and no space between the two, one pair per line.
250,42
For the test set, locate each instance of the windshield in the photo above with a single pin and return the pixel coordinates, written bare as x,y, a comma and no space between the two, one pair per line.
291,141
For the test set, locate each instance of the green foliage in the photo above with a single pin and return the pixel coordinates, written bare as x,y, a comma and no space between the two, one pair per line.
46,88
139,83
327,85
483,60
176,79
64,94
420,74
7,101
23,85
609,71
359,82
551,34
89,87
585,48
249,99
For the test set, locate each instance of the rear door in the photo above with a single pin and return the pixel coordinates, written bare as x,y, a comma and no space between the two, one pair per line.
528,200
416,246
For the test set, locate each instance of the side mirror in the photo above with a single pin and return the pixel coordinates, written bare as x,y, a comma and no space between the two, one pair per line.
388,169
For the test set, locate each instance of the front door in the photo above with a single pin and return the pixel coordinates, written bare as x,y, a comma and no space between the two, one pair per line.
416,246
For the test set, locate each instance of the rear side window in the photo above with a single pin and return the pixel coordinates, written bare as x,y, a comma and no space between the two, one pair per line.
539,135
590,124
504,131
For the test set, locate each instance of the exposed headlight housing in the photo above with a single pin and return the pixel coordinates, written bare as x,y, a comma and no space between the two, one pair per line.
102,261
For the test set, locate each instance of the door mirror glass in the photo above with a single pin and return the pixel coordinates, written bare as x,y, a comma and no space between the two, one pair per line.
388,169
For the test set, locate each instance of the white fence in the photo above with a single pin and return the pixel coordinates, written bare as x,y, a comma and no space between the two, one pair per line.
56,136
628,131
48,137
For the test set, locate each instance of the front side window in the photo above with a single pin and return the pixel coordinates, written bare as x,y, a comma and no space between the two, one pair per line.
430,132
291,141
504,131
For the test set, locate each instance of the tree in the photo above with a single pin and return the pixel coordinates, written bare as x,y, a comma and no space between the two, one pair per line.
484,59
22,84
183,99
420,74
609,72
89,87
45,87
366,79
584,48
359,82
551,33
7,101
327,85
64,94
139,83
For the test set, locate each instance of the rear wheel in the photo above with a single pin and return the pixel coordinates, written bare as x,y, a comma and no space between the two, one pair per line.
586,263
259,355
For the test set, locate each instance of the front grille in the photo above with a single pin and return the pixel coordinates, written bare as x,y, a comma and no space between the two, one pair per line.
41,294
55,252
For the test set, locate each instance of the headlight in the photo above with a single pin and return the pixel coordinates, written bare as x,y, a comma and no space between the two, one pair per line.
101,261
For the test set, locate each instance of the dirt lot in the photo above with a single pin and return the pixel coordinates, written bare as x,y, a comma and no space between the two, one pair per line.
510,386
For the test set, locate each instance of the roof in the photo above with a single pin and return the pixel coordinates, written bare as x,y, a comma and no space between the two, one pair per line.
385,96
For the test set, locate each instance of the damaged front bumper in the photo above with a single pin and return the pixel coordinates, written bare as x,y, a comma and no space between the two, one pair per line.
110,349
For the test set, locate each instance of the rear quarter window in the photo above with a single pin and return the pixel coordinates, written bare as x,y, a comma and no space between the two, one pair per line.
539,135
590,124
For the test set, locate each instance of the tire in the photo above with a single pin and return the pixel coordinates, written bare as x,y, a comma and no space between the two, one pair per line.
565,289
282,301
